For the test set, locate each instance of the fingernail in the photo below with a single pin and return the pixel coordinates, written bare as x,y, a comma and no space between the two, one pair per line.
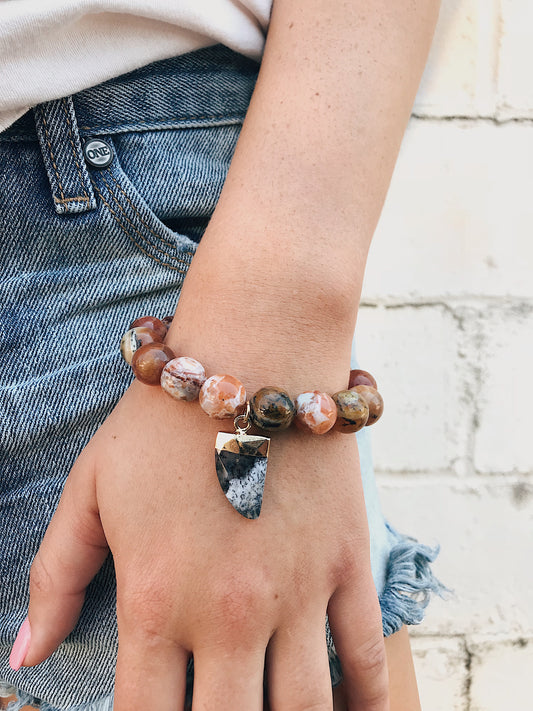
21,646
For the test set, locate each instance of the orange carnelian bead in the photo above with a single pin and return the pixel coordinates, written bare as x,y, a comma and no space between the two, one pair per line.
361,377
222,396
316,412
153,323
352,411
148,362
374,401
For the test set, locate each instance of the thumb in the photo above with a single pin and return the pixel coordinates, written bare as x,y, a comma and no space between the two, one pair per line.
72,551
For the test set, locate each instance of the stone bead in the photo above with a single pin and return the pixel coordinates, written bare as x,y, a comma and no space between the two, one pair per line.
154,324
316,412
352,411
361,377
182,378
222,396
167,320
148,362
272,409
374,401
133,339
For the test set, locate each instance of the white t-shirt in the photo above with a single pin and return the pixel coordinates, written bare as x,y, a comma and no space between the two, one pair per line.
54,48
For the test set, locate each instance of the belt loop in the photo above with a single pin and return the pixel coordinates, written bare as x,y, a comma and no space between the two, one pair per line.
57,130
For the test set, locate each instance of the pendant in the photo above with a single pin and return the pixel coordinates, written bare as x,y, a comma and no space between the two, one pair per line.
241,463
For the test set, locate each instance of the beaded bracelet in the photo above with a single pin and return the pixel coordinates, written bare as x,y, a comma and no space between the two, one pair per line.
241,459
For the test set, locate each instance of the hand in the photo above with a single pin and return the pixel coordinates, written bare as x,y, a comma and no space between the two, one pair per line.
193,576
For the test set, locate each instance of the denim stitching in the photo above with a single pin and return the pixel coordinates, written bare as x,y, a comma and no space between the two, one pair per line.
63,105
43,118
161,125
154,246
237,118
170,266
159,237
73,199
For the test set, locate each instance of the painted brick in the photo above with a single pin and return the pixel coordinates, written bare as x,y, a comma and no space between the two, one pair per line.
501,676
440,665
414,353
485,529
515,89
503,436
459,76
458,214
446,325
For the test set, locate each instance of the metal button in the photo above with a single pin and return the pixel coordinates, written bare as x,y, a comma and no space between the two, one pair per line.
98,153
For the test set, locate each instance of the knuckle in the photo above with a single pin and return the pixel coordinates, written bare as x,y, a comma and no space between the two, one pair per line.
240,599
345,566
370,659
148,608
369,664
40,578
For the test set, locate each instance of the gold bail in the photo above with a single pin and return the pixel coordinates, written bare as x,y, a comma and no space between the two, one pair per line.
245,418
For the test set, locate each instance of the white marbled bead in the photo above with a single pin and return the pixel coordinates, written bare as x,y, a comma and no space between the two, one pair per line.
182,378
316,412
222,396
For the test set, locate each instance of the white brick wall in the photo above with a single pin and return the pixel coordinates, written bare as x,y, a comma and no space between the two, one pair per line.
446,325
458,216
501,676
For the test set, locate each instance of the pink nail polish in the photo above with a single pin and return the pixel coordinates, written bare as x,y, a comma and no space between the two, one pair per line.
21,646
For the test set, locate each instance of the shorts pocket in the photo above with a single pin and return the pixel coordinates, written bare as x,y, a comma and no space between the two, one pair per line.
162,187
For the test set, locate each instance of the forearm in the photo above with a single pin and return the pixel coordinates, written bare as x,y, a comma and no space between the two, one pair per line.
285,251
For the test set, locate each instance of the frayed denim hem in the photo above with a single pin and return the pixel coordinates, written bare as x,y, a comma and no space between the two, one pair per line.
25,701
409,583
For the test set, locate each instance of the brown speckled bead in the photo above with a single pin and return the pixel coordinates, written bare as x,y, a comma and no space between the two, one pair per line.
167,320
222,396
149,361
316,412
182,378
374,401
133,339
352,411
154,324
361,377
272,408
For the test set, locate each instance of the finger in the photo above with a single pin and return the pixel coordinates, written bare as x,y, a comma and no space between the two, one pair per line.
339,698
228,680
151,673
71,553
357,629
298,668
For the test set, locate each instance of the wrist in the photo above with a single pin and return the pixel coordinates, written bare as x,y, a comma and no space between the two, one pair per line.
296,348
281,323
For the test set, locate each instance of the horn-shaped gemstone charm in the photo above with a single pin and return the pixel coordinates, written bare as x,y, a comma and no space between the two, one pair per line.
241,463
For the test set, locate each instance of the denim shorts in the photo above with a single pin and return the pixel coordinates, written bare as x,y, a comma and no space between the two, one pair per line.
91,238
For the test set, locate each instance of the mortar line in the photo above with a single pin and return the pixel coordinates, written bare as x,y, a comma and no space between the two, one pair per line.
449,302
460,118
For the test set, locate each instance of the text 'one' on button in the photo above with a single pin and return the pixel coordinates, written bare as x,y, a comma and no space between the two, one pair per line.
98,153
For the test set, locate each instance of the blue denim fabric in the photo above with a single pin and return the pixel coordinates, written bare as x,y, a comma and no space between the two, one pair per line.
82,252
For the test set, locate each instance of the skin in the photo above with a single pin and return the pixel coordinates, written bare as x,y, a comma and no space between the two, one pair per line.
271,297
403,689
